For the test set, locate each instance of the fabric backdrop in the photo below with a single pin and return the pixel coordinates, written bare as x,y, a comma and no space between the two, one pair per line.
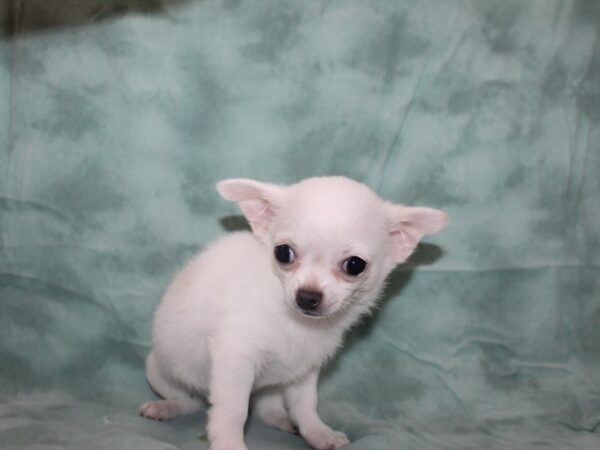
117,117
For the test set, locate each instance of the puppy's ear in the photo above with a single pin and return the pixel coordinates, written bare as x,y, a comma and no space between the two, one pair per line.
258,201
409,224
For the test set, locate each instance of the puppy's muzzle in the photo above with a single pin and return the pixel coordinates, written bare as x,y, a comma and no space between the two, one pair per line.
308,301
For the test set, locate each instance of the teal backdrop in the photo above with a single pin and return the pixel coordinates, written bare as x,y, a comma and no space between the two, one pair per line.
117,118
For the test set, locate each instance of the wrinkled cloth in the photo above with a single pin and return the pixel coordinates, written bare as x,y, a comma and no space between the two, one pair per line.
117,117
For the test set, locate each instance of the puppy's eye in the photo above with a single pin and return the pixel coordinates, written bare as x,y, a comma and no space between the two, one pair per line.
354,265
284,254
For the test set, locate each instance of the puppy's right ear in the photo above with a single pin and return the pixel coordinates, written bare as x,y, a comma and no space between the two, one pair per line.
258,201
408,224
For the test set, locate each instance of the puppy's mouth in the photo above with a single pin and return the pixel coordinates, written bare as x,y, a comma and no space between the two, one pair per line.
315,314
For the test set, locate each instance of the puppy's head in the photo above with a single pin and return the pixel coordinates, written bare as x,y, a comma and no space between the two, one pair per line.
333,241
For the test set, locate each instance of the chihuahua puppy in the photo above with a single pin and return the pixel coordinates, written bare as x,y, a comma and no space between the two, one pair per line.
254,317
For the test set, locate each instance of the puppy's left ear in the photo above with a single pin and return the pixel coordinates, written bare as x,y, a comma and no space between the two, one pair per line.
258,201
409,224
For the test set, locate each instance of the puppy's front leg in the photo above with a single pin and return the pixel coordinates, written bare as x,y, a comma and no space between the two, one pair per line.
301,399
232,377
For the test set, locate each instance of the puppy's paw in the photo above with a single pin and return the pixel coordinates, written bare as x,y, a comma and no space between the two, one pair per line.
324,438
278,418
161,410
283,423
227,445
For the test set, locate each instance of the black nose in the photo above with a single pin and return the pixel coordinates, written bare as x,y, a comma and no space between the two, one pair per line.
308,301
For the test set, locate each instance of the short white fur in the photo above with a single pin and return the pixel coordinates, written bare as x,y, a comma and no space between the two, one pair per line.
232,328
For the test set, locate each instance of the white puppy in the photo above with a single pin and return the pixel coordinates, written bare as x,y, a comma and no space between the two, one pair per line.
256,315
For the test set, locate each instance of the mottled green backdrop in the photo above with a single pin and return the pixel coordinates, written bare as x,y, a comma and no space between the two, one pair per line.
117,117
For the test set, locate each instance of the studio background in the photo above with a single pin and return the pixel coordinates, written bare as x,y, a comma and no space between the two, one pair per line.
117,117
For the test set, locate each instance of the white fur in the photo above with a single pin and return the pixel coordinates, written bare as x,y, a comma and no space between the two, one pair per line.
229,328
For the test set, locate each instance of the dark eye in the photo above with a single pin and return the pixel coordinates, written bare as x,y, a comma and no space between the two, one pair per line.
284,254
354,265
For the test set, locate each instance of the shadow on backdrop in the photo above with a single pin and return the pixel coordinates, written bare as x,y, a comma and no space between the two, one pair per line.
21,17
234,223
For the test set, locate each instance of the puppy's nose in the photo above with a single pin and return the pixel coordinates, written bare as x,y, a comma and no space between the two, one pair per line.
308,301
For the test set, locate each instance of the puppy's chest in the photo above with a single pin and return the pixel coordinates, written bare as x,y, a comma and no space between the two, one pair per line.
288,359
